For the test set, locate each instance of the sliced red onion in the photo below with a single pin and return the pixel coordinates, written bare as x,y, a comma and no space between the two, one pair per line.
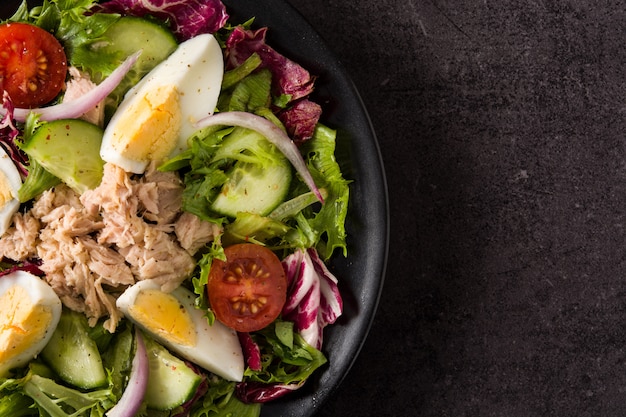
76,108
131,399
272,133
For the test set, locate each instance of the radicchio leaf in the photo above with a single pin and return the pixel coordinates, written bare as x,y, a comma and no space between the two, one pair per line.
28,266
251,351
313,298
186,18
9,134
289,80
258,392
300,119
331,303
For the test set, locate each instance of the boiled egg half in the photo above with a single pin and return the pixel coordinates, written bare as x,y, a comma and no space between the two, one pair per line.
174,321
10,183
29,315
157,116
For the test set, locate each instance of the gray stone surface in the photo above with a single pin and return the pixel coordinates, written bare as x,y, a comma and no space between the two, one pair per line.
502,127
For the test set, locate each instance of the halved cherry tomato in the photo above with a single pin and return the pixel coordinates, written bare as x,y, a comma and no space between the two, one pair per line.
248,291
33,64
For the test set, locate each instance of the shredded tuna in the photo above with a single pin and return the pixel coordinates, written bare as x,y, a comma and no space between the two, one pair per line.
147,248
53,198
194,233
20,241
160,195
114,200
159,258
93,246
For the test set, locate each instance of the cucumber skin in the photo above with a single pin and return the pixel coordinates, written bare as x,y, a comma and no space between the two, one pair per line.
70,150
118,359
171,382
129,35
73,355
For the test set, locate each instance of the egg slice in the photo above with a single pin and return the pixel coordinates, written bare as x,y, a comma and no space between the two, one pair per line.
174,321
29,315
157,115
10,183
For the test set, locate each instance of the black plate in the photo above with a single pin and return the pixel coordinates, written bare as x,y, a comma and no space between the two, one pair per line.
361,274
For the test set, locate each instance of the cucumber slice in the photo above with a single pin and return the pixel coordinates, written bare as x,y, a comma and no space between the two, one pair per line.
131,34
73,355
171,382
70,150
253,188
259,178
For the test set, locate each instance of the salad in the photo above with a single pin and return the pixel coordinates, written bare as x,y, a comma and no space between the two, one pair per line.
168,202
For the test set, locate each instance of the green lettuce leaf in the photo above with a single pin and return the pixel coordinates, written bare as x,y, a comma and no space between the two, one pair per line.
285,357
52,399
201,277
220,401
329,221
249,94
16,404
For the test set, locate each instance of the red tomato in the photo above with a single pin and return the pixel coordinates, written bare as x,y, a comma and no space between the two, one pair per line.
248,291
33,65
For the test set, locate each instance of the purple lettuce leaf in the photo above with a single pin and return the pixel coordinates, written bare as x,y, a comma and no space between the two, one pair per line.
251,351
300,119
187,18
331,303
313,299
9,134
290,78
28,266
259,392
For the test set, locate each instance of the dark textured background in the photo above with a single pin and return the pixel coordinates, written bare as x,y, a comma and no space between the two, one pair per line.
502,129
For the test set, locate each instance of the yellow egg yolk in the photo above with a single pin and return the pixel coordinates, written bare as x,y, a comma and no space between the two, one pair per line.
162,314
22,323
5,190
148,130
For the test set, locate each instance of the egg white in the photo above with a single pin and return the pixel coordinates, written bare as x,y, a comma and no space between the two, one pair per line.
216,349
41,295
10,183
195,69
